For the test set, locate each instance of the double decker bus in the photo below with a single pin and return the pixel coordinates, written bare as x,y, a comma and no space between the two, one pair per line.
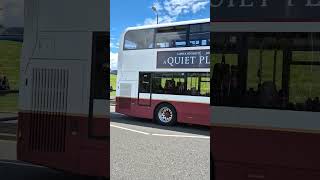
265,90
164,72
63,120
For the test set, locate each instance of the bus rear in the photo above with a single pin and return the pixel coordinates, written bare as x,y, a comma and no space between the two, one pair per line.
64,78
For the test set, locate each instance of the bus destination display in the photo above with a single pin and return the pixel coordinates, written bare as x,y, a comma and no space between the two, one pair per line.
183,59
265,10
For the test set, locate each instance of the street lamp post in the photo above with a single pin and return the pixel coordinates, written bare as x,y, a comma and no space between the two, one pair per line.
155,11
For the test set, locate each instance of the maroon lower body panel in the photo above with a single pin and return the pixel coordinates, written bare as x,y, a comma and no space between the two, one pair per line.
62,142
187,112
242,154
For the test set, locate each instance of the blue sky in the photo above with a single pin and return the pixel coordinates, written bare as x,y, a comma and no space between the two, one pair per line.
138,12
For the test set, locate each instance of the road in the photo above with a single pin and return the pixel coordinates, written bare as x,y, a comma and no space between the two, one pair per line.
141,149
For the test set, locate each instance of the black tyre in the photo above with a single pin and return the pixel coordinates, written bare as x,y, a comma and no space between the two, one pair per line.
212,169
94,178
165,114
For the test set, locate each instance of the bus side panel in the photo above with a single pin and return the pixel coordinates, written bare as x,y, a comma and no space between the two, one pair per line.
93,153
130,106
39,146
193,113
71,150
264,153
232,171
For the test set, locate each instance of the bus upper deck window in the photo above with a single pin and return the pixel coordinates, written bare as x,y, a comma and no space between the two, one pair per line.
199,35
139,39
175,36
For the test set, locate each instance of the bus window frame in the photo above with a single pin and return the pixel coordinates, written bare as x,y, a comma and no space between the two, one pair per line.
124,39
156,30
156,74
287,63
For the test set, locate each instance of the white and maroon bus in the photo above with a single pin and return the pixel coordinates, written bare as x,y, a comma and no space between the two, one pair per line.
163,72
265,90
63,118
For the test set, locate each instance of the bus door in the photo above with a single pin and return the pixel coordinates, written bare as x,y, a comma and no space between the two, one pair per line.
99,92
144,90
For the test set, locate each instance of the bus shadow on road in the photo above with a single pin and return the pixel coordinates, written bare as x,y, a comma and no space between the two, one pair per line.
15,170
182,128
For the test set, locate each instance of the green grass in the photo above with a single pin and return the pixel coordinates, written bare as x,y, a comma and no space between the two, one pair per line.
9,103
113,83
9,66
9,61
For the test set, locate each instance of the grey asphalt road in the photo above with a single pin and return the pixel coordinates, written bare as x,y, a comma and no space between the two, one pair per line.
141,150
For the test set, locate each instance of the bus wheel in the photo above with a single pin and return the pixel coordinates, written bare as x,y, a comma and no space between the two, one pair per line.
166,115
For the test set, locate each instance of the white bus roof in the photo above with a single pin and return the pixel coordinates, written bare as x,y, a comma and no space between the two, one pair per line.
169,24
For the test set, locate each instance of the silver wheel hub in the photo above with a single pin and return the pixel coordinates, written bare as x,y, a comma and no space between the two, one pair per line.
165,114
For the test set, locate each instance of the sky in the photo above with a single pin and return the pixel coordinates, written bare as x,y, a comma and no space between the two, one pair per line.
130,13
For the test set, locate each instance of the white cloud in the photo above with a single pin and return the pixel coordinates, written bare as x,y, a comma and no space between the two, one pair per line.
169,10
158,6
179,7
113,45
198,6
113,60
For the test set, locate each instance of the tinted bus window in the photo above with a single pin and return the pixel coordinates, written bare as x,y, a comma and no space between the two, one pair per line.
168,83
199,35
276,70
168,37
144,82
193,84
139,39
100,66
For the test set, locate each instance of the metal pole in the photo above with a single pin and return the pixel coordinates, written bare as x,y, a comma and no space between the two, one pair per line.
157,18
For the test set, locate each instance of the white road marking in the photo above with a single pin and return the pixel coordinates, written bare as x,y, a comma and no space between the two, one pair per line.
162,135
119,127
182,136
21,164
